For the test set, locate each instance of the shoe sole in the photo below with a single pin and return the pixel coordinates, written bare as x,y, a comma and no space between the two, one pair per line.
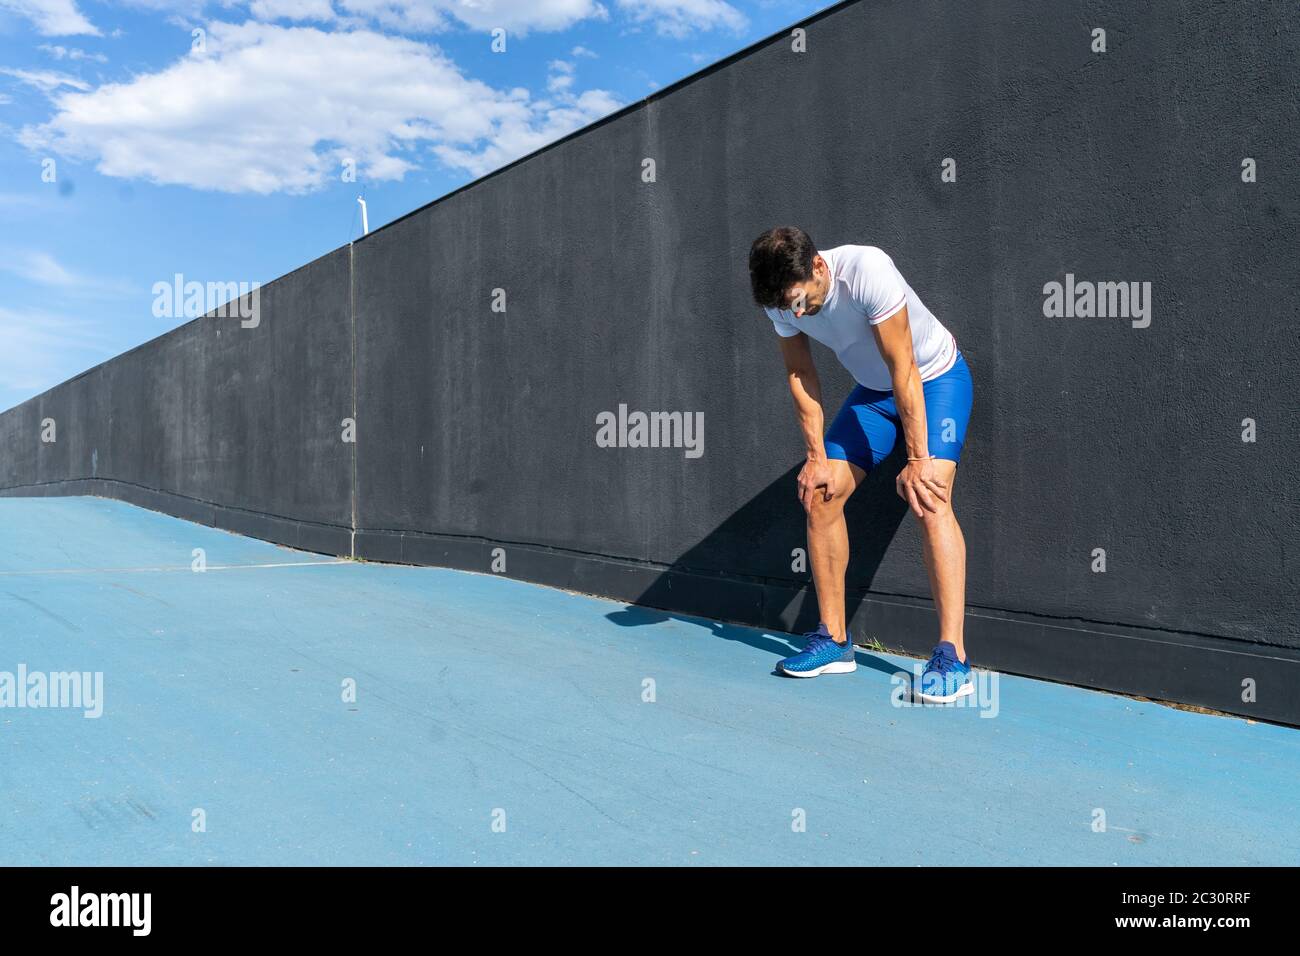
834,667
965,690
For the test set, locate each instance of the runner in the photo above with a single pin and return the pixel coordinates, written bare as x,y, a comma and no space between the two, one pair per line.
911,377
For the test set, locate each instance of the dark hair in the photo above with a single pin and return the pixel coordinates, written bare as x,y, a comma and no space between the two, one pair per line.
778,259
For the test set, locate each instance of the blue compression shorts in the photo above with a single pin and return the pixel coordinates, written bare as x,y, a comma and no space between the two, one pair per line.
867,426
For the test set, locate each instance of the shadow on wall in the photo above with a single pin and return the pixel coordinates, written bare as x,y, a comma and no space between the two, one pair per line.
693,586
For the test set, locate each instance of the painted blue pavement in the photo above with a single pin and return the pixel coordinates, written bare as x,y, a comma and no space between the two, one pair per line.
482,700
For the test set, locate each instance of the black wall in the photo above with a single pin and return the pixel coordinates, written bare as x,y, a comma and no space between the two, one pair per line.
476,428
217,422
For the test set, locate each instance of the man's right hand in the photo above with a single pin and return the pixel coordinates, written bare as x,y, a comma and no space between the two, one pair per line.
816,478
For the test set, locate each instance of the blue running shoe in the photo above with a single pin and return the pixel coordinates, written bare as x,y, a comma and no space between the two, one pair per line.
821,655
945,678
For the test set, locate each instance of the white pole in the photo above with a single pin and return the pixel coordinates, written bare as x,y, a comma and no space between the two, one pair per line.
365,220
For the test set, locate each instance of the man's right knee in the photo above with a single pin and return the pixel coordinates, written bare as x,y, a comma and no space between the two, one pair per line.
821,511
819,508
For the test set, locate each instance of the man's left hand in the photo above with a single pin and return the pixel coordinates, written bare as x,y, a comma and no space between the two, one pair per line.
921,487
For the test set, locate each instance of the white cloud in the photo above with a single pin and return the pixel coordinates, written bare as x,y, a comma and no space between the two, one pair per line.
292,9
583,51
563,76
40,349
677,18
64,53
271,108
41,268
47,81
515,16
52,17
404,16
518,17
683,18
518,134
181,8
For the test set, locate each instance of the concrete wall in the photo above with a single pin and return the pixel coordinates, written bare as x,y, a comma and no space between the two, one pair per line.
231,425
476,428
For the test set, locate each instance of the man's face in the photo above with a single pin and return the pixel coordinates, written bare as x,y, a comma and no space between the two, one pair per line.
807,298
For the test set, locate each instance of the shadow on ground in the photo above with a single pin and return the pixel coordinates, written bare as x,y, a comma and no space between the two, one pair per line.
755,543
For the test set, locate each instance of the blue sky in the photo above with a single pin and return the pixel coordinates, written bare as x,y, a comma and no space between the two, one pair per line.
131,151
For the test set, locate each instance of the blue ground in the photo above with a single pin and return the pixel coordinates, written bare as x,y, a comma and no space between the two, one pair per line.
477,694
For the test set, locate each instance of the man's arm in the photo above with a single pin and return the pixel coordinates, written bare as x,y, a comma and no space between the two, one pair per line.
917,482
806,389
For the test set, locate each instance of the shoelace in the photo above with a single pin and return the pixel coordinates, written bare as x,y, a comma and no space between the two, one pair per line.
816,642
941,662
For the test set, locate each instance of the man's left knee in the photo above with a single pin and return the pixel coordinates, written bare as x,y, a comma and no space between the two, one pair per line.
943,509
933,519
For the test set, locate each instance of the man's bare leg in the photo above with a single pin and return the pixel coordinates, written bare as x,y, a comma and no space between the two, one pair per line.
944,548
828,546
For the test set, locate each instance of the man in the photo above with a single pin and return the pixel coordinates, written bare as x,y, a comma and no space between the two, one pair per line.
911,379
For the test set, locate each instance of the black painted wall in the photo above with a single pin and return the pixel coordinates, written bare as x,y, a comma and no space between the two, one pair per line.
213,415
476,428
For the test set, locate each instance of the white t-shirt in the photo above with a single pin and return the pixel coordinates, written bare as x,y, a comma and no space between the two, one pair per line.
866,289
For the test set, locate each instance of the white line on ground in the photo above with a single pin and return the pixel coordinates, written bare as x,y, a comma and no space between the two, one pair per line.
210,567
